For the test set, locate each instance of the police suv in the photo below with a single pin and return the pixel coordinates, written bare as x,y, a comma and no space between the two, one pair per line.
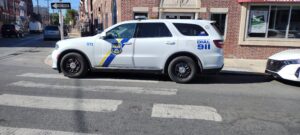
178,48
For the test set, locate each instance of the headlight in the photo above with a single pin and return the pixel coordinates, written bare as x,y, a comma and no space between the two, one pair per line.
56,46
288,62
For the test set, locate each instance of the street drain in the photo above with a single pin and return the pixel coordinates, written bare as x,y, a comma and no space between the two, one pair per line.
15,54
31,51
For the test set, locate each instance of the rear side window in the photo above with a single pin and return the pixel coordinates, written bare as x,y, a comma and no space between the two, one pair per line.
190,29
51,28
217,28
150,30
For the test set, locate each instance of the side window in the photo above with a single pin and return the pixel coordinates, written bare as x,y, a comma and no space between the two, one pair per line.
122,31
150,30
190,29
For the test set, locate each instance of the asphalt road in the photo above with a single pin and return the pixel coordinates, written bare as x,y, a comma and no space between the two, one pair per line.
34,99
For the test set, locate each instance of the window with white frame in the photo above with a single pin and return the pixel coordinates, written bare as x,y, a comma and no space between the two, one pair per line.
220,19
274,21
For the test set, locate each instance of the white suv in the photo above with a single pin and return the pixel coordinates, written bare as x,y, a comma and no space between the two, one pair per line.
178,48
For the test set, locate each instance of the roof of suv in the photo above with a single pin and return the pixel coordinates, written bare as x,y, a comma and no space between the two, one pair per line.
173,21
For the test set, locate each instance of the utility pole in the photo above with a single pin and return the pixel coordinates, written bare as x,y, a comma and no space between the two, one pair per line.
48,11
38,6
14,11
61,21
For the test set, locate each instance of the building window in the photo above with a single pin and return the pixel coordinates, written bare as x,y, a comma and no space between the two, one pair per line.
140,15
274,22
220,19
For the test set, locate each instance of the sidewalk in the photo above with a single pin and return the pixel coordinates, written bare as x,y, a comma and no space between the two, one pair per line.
74,33
245,65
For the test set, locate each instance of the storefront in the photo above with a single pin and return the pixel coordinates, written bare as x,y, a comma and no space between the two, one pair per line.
272,21
255,29
269,25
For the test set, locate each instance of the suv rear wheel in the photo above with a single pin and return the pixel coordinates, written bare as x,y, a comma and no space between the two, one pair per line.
73,65
182,69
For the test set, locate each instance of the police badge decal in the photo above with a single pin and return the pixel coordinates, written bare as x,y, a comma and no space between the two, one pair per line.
116,48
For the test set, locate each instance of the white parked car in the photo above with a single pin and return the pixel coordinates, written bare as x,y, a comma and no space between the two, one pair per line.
178,48
35,27
51,32
285,65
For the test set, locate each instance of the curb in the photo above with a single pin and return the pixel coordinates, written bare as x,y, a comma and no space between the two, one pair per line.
241,71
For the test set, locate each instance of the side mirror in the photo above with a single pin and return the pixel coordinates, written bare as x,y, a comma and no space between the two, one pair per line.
109,36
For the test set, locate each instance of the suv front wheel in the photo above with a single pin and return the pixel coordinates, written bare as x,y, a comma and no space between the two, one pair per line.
182,69
73,65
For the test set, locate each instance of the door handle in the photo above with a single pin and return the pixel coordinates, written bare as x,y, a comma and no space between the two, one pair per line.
128,43
170,43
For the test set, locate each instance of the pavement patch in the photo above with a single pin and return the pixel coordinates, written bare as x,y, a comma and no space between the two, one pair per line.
28,131
98,88
71,104
59,76
185,112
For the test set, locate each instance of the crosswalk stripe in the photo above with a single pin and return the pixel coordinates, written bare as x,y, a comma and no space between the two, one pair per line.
58,76
72,104
99,88
28,131
185,112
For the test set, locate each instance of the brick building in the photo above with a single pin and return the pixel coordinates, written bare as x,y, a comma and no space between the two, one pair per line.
252,29
86,16
15,11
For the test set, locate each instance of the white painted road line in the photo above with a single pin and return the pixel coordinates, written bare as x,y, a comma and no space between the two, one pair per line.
59,76
28,131
185,112
71,104
99,88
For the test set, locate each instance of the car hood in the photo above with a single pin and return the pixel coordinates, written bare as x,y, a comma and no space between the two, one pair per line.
286,55
75,40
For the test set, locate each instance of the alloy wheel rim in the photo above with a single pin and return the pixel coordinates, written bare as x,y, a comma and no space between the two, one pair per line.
182,70
72,65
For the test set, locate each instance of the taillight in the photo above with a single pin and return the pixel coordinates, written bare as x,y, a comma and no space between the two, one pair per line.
219,43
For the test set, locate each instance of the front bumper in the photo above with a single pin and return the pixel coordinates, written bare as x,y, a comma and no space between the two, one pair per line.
288,72
54,56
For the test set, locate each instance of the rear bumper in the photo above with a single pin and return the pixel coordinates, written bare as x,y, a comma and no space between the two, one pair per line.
213,70
35,31
9,33
51,36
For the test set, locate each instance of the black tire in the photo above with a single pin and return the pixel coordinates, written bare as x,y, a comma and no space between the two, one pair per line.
182,69
17,35
73,65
